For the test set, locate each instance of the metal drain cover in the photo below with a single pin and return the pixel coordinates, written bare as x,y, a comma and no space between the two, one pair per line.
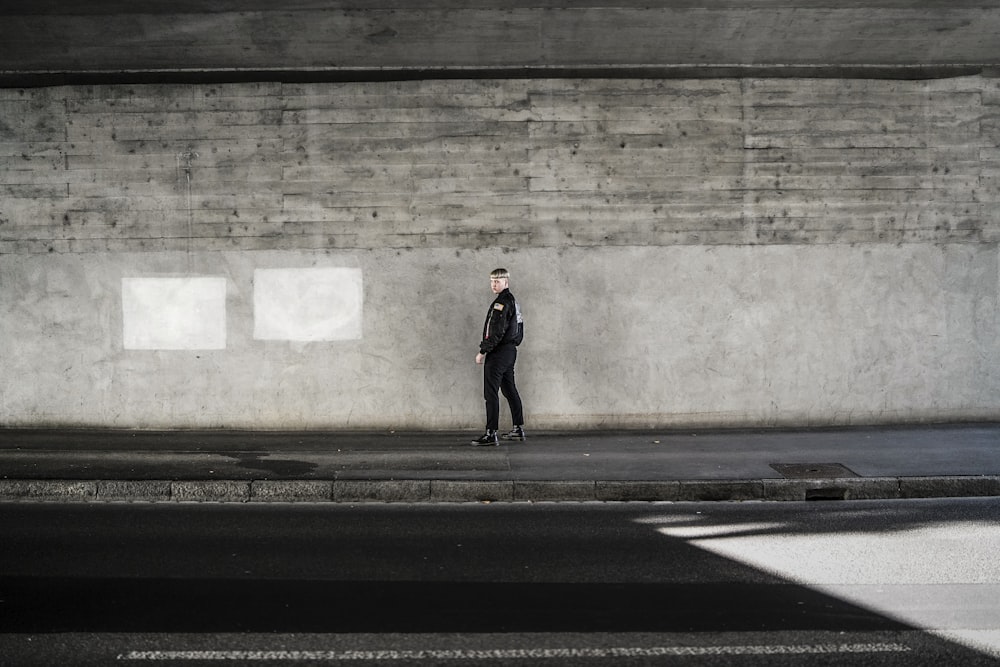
813,470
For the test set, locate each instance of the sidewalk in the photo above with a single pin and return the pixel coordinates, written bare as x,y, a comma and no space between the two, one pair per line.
347,466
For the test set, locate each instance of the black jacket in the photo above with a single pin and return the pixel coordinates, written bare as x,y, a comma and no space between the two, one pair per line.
503,325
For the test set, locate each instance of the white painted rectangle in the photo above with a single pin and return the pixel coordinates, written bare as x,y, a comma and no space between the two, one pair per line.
174,313
312,304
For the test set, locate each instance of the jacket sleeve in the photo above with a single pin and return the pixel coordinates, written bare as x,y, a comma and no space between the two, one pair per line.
497,322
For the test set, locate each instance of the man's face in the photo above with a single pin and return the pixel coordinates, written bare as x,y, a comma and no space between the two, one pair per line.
498,284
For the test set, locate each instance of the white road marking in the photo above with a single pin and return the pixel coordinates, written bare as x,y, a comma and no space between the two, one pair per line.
517,654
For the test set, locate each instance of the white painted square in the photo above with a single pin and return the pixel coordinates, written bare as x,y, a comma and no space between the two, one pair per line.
315,304
187,313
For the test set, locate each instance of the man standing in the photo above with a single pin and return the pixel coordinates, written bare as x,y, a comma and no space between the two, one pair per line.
502,333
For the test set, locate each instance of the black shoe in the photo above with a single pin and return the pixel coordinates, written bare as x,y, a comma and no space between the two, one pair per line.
517,433
486,440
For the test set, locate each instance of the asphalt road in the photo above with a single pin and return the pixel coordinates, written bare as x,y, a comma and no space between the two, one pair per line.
840,583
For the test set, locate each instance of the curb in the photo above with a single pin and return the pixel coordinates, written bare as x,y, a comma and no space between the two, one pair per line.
434,491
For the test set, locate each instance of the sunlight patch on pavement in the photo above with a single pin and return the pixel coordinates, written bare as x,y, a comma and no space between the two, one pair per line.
942,578
702,532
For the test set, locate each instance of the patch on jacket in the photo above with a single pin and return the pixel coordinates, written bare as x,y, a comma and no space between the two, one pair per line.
497,306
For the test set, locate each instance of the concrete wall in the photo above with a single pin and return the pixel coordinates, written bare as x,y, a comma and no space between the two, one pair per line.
711,252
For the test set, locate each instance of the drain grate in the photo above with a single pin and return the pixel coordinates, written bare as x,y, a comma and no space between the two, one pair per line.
813,470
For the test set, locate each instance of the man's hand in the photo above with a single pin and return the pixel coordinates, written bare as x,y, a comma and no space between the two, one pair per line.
480,357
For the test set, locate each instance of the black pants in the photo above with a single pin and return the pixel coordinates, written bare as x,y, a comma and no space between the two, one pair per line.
498,374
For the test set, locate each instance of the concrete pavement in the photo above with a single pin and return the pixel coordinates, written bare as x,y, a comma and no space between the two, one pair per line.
348,466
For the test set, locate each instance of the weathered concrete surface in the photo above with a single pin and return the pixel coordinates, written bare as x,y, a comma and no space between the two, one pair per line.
732,252
617,337
116,40
472,164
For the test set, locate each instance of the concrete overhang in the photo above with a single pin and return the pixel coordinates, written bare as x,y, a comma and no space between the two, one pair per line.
49,42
